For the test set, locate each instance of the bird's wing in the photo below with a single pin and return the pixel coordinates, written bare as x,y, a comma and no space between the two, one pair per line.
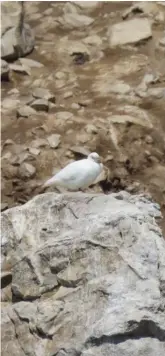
71,171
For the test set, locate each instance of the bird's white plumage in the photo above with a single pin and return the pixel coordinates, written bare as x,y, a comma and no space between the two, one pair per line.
79,174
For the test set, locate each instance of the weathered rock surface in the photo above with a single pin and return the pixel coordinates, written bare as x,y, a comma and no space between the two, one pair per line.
17,38
102,260
129,32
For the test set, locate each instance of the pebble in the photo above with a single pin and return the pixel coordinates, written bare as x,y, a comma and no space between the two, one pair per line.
20,69
40,105
54,140
13,91
75,20
39,142
80,149
75,106
25,111
149,139
30,63
34,151
68,94
108,158
41,93
60,75
64,115
162,42
27,170
91,129
9,103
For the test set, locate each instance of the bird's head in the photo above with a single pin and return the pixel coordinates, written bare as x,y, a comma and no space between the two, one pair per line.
94,157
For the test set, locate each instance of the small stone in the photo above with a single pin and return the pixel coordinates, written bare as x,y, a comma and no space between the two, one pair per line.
75,20
147,153
13,91
41,93
54,140
20,69
4,70
150,78
149,139
162,42
40,105
39,142
34,151
91,129
159,17
27,170
80,150
75,106
59,75
64,115
25,111
27,99
93,40
68,94
30,63
4,206
129,32
8,142
9,103
108,158
157,93
48,11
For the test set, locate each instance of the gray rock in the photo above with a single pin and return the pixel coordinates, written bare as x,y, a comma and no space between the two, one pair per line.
9,103
80,150
129,32
30,63
4,70
40,105
27,170
41,93
25,111
75,20
17,38
34,151
122,119
157,93
64,115
39,142
54,140
102,259
20,69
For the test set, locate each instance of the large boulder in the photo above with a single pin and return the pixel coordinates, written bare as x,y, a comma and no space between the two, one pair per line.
88,276
17,38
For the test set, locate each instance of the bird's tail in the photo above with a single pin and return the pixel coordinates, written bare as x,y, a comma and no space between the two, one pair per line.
50,182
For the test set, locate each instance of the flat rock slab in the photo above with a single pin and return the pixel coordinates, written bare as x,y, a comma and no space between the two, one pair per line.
129,32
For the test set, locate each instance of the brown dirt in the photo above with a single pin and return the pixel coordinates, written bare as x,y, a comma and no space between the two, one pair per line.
135,160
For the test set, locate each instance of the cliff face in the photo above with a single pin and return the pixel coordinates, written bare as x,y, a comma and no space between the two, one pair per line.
88,276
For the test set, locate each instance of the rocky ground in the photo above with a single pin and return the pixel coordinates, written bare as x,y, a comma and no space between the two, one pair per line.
97,84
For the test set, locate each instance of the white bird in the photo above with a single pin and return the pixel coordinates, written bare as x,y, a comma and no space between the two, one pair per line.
79,174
